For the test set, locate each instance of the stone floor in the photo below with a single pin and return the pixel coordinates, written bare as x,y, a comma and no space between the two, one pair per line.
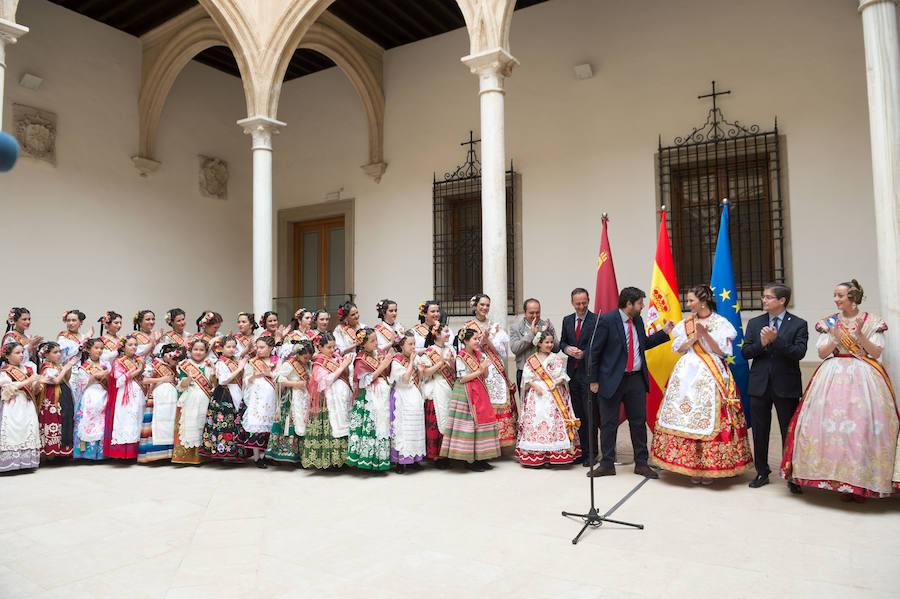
105,530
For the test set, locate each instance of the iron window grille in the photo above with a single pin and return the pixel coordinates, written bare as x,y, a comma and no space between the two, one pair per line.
722,159
457,235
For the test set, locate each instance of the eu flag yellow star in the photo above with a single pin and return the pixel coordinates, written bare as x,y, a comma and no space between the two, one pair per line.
725,295
730,360
741,344
737,307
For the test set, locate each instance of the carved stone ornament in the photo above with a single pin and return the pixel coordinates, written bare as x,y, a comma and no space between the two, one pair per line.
35,130
213,177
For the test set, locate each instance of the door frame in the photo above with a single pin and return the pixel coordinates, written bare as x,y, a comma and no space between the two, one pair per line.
287,217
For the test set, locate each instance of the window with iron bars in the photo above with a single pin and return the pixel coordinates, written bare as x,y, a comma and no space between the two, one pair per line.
725,161
457,236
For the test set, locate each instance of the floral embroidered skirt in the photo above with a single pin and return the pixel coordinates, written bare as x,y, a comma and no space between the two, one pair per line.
727,454
221,428
365,450
248,440
320,449
284,444
56,420
433,436
86,450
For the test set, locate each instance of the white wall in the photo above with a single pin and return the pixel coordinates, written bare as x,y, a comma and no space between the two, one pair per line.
585,147
90,233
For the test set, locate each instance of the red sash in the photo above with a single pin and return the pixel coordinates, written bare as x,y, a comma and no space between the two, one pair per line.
232,366
331,365
446,370
197,375
93,369
16,374
493,357
71,337
110,343
571,425
17,336
128,364
404,361
385,331
258,364
421,329
300,369
142,337
175,337
476,392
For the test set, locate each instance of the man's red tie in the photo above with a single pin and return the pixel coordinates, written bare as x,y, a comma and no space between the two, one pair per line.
577,328
629,366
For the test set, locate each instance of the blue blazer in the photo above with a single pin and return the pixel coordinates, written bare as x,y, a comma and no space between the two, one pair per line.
567,339
609,353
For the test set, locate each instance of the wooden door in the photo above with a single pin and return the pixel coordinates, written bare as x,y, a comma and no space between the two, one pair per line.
319,262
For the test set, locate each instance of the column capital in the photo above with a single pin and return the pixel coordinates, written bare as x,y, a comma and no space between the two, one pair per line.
496,62
864,4
11,32
262,128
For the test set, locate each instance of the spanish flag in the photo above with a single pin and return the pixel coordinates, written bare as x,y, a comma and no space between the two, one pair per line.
664,306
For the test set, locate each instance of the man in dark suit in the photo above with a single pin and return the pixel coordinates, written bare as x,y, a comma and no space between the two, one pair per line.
776,342
574,341
619,376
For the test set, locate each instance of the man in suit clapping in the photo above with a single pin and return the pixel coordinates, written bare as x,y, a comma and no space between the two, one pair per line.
776,342
574,341
619,376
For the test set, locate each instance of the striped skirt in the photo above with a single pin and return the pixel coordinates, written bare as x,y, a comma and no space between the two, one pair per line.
147,451
466,440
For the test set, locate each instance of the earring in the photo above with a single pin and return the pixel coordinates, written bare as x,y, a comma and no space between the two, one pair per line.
853,305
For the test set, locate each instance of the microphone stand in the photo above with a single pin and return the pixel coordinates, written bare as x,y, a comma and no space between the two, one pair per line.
592,518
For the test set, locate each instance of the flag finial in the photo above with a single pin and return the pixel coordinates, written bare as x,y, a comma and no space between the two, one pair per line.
663,207
724,201
605,216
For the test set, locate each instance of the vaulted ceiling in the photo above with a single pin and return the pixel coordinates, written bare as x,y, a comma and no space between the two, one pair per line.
389,23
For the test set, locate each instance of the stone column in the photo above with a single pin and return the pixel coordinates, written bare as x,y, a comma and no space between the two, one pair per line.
492,68
879,18
261,129
10,32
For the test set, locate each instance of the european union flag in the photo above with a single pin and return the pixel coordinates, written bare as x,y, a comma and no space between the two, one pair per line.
724,287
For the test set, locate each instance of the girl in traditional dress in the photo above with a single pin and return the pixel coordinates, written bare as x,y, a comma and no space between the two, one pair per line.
56,403
125,408
111,322
259,399
388,328
196,379
548,429
348,325
370,417
222,424
471,434
300,329
91,395
158,423
325,442
429,314
437,371
208,325
17,322
843,436
320,320
71,339
144,321
292,378
176,319
407,406
20,437
700,428
494,346
245,337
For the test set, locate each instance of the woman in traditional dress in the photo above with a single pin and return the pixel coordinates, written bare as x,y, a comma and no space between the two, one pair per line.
176,319
245,337
144,321
110,325
17,322
429,314
843,436
91,395
292,378
437,371
471,434
388,328
299,330
325,442
71,339
56,404
259,400
494,346
700,428
125,408
208,325
407,406
158,423
222,424
196,379
270,327
20,437
548,429
321,319
370,417
348,325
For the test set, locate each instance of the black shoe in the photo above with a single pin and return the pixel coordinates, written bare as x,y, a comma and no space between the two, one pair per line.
261,463
474,466
415,466
400,468
646,471
795,488
602,471
759,481
484,465
442,464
